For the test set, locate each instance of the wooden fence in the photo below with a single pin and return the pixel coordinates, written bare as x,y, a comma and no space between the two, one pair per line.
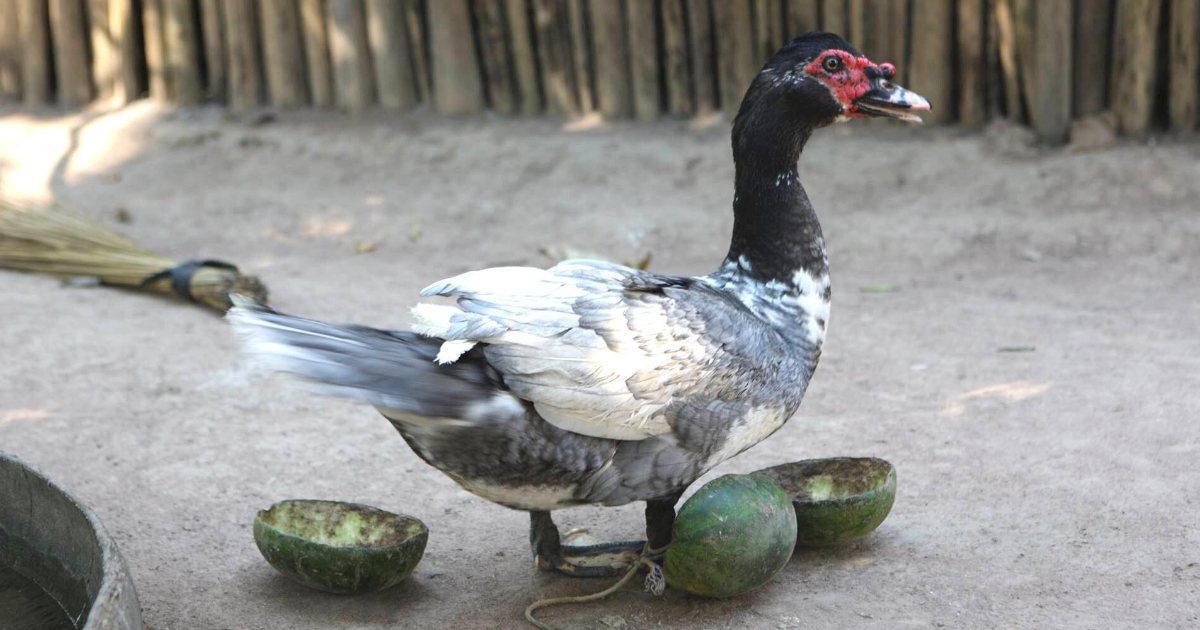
1045,62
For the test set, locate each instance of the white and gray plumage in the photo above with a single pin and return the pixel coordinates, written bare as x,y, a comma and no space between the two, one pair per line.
594,383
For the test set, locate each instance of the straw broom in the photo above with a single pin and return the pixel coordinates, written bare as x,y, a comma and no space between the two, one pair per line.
68,245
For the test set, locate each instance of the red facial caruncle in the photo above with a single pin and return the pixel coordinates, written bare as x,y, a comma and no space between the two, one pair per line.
847,77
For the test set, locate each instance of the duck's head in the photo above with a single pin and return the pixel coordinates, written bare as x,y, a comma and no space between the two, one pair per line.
819,79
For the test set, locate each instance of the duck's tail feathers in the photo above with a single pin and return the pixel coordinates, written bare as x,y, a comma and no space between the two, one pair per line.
392,370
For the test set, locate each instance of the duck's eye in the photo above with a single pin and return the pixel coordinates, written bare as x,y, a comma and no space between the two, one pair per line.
833,64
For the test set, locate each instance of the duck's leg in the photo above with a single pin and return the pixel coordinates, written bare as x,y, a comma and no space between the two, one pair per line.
660,521
600,560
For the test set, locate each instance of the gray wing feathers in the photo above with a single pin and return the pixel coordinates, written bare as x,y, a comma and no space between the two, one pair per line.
390,370
598,348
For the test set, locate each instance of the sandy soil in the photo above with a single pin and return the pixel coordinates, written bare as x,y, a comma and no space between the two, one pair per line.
1047,488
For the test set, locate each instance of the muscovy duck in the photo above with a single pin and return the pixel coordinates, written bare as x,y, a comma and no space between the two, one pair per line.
594,383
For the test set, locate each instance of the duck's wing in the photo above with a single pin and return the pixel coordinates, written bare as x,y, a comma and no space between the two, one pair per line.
601,349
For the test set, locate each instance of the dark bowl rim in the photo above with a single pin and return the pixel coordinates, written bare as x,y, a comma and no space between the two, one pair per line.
369,549
867,494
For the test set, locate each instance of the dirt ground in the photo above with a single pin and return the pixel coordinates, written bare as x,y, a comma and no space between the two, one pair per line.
1056,486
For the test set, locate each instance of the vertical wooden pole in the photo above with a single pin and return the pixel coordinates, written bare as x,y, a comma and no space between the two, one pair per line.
524,64
735,51
105,56
493,42
643,59
457,87
1093,46
213,28
929,70
704,71
156,53
972,63
1185,64
612,78
833,17
763,47
856,25
675,58
183,50
283,61
420,49
35,51
353,84
1024,14
902,25
581,54
70,52
245,64
1007,45
10,50
879,31
122,24
316,52
387,31
554,53
802,16
1134,63
1053,71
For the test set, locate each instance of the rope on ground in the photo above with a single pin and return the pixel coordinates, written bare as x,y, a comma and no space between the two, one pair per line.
579,599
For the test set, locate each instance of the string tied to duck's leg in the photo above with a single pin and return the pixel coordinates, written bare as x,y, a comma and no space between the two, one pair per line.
655,583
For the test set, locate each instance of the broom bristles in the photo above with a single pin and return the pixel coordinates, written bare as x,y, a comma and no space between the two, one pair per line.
65,244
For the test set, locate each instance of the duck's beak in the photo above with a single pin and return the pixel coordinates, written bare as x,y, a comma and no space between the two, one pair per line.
888,100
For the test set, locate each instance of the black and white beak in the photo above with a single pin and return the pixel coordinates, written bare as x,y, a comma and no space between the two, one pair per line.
888,100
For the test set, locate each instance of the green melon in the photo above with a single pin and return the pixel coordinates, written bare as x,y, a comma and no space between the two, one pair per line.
731,537
337,547
837,499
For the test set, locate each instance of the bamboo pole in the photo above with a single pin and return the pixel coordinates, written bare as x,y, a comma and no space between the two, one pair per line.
122,25
418,35
898,40
105,56
489,15
612,78
763,47
182,44
245,65
316,52
70,52
34,19
213,28
704,69
929,70
387,32
1053,71
643,60
156,53
10,51
457,87
283,61
1024,14
1007,44
1093,45
675,61
802,16
878,45
735,51
353,84
833,16
857,27
524,66
972,63
1134,63
554,53
1185,64
581,54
